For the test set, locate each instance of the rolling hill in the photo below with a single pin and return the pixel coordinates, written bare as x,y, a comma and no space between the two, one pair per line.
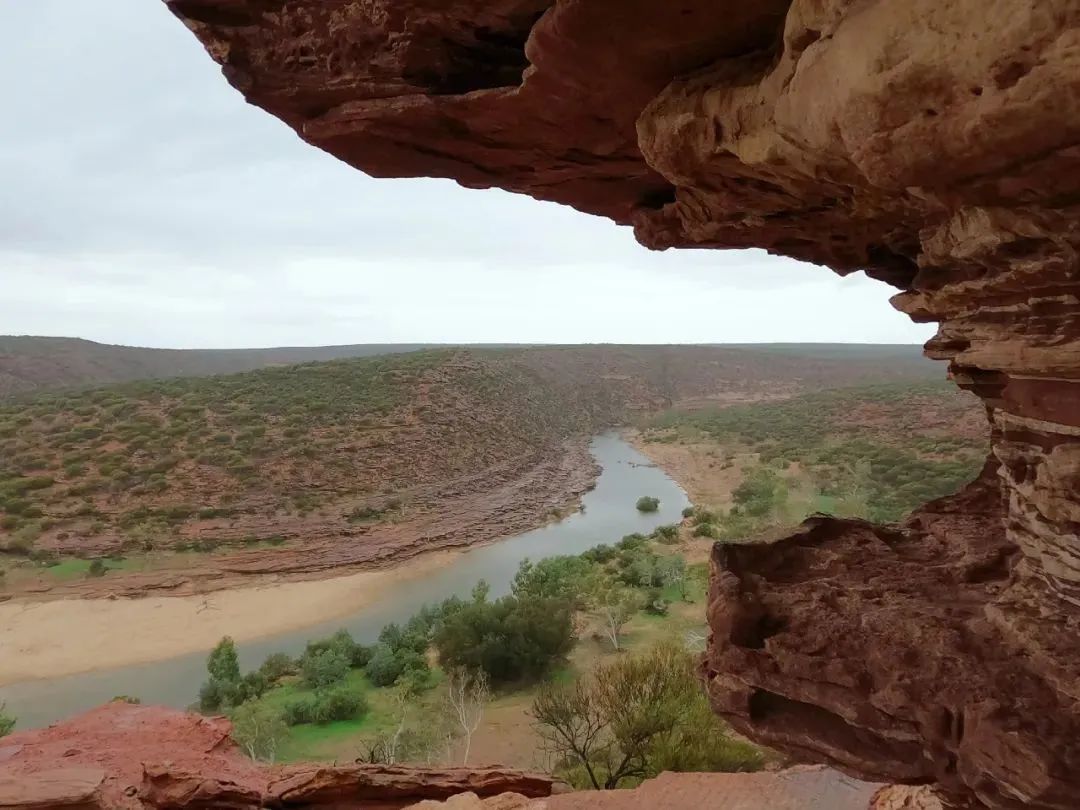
40,363
360,461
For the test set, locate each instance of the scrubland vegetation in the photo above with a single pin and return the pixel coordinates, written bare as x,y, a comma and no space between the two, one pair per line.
875,452
331,450
199,464
143,458
557,648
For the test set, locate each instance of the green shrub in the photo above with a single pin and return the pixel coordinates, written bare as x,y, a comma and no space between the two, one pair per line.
341,641
7,722
600,554
277,666
211,696
252,686
632,542
702,515
340,703
509,639
324,668
363,513
15,506
688,512
42,556
259,730
414,636
97,568
707,530
667,534
298,710
561,578
385,666
647,503
633,717
223,664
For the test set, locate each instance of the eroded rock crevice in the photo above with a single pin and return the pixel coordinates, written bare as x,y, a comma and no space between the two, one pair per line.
934,145
904,654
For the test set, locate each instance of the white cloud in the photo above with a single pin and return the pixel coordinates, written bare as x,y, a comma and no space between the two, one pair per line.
144,202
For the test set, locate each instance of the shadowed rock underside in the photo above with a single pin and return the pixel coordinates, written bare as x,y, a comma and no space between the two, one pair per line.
935,145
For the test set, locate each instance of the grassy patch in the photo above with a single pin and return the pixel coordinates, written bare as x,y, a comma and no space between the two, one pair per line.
70,568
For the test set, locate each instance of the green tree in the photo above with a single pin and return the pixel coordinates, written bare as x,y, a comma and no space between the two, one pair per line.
324,668
343,643
259,729
388,665
223,664
615,605
277,666
563,578
667,534
634,717
509,639
7,722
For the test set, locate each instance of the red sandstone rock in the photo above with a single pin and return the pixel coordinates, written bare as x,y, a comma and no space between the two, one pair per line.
931,143
75,788
897,797
800,788
896,668
121,756
394,786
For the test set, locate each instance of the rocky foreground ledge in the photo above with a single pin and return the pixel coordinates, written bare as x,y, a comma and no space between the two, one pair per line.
125,757
122,757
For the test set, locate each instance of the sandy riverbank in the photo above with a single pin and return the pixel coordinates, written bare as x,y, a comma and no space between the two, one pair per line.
702,469
67,636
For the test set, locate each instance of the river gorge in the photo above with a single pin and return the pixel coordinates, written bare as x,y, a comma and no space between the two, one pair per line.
607,513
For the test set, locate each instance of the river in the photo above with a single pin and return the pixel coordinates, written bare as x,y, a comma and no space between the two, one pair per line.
608,514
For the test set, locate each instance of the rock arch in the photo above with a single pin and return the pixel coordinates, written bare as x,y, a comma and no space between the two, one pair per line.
934,145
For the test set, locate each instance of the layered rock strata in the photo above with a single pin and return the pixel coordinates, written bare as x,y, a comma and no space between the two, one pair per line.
124,757
934,145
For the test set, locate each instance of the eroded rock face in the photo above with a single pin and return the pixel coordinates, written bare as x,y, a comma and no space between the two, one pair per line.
912,665
935,145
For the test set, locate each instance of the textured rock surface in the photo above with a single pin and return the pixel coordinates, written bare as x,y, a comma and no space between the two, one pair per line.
121,756
898,797
77,788
800,788
936,145
900,668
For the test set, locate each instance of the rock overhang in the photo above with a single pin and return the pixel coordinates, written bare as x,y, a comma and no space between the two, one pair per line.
934,145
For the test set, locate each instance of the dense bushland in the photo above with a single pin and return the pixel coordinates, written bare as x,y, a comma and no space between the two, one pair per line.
513,642
175,464
874,451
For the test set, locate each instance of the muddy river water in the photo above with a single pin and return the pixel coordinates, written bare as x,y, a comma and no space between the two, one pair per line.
608,515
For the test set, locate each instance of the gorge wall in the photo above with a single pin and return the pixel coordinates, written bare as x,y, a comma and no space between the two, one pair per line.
934,145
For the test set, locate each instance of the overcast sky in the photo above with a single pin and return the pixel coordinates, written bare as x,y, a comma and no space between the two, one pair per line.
143,202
